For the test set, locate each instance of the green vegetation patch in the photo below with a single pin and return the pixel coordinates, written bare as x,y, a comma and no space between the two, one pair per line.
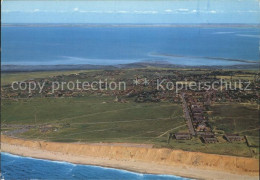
92,118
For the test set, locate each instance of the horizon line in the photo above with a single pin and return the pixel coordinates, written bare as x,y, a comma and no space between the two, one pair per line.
136,24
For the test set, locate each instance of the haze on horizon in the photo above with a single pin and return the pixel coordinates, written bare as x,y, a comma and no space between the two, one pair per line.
132,12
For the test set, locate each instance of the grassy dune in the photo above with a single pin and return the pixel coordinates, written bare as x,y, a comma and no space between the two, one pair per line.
236,118
93,118
100,119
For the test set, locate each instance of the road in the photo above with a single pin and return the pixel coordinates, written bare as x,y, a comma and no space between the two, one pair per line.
187,115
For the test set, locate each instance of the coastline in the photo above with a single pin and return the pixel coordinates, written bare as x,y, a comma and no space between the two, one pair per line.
138,159
201,25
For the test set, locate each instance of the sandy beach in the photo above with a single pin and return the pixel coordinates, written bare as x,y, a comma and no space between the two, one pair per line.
139,159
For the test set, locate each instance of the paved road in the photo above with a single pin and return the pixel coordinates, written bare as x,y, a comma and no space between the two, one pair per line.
187,115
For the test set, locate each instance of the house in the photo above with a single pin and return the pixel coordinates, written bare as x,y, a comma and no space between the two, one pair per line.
205,133
233,137
195,106
198,116
197,120
182,136
197,110
209,139
202,127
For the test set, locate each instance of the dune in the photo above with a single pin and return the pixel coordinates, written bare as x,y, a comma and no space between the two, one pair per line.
138,158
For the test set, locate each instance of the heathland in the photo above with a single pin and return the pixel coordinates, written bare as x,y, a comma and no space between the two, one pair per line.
140,114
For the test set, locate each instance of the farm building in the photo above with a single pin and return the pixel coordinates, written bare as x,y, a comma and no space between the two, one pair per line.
182,136
233,137
209,139
208,133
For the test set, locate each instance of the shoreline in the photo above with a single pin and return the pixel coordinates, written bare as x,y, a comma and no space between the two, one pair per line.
105,167
240,64
137,159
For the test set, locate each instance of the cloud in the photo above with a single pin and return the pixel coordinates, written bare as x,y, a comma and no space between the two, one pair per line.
118,12
109,12
82,11
27,11
6,11
213,12
168,10
250,11
182,10
145,12
77,10
122,12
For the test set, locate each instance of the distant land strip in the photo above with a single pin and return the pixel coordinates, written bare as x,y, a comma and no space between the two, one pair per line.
126,25
206,57
65,67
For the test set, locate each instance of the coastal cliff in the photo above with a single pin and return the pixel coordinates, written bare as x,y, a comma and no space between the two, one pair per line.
162,156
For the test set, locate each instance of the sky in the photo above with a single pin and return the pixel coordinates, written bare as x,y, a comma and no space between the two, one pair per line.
130,11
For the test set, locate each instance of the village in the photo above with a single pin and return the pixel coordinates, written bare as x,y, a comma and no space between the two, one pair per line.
142,87
194,109
141,84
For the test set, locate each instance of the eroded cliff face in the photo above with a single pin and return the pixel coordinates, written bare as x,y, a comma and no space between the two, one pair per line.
232,164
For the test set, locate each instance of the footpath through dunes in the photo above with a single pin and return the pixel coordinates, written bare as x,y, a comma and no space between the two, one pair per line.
141,158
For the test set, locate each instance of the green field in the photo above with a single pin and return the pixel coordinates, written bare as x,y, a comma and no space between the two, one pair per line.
236,118
222,147
8,78
98,118
93,119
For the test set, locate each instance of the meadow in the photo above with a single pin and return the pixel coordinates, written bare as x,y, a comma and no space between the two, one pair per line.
92,119
8,78
99,118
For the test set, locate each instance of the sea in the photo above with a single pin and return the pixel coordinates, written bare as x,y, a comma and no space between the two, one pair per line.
18,167
52,45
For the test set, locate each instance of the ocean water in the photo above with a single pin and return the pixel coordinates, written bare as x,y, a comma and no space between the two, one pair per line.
18,167
121,45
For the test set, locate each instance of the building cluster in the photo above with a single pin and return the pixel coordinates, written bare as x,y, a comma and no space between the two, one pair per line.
143,88
194,108
196,102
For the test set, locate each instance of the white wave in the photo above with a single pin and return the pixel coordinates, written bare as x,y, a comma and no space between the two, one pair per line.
11,155
100,167
138,174
16,156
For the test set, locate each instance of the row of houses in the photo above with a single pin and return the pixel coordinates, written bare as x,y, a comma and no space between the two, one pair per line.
197,120
196,102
